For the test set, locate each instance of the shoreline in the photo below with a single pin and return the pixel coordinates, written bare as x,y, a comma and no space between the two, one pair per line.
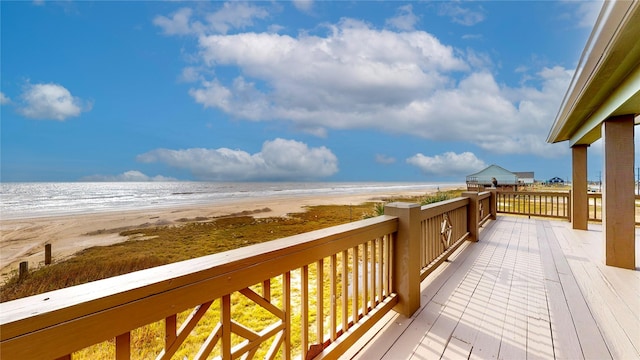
23,239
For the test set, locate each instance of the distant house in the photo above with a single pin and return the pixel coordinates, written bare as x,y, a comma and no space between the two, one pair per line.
525,177
483,178
555,181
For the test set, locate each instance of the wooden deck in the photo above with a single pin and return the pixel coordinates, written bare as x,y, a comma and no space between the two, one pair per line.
530,289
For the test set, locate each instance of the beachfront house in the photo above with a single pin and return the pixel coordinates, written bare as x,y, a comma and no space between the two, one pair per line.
456,279
526,178
555,181
483,179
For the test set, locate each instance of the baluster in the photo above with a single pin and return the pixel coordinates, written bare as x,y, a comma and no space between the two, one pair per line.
365,278
170,330
123,346
374,271
286,300
334,306
320,301
225,319
354,279
304,304
345,291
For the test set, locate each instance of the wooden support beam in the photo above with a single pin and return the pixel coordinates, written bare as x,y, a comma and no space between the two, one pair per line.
618,200
579,202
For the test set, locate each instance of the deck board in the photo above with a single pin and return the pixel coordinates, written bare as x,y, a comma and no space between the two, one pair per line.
531,288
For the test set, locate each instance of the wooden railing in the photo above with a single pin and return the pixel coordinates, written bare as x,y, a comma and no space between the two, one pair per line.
317,292
535,203
594,201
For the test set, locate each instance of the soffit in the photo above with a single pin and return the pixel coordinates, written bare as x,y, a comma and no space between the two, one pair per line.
607,81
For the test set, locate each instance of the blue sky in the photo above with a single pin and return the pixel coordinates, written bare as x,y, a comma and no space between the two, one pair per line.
297,91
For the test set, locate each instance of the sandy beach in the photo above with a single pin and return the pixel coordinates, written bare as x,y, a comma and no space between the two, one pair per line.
24,239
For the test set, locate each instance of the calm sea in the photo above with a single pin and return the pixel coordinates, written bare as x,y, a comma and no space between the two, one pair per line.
26,200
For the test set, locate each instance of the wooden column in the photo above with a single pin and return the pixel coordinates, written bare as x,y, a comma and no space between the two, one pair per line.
473,216
406,256
579,201
493,203
618,200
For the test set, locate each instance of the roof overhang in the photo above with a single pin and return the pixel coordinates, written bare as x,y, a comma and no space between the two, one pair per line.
607,80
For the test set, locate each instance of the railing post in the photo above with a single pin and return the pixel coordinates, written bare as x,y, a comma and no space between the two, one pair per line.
493,203
473,221
47,254
23,270
406,256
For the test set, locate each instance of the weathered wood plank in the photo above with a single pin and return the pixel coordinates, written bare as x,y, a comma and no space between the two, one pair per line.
498,275
539,343
565,337
514,333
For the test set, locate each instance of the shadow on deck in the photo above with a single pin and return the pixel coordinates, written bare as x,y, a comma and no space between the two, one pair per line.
530,288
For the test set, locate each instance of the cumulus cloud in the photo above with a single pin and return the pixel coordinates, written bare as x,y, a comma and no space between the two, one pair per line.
462,15
232,15
4,99
130,176
179,23
279,159
359,77
51,101
405,19
447,164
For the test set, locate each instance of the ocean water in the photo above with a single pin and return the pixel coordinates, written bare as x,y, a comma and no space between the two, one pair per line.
27,200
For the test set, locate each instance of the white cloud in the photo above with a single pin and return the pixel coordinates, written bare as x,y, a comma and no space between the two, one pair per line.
462,15
384,159
235,15
178,24
131,175
358,77
279,159
232,15
4,100
447,164
51,101
405,19
586,12
303,5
